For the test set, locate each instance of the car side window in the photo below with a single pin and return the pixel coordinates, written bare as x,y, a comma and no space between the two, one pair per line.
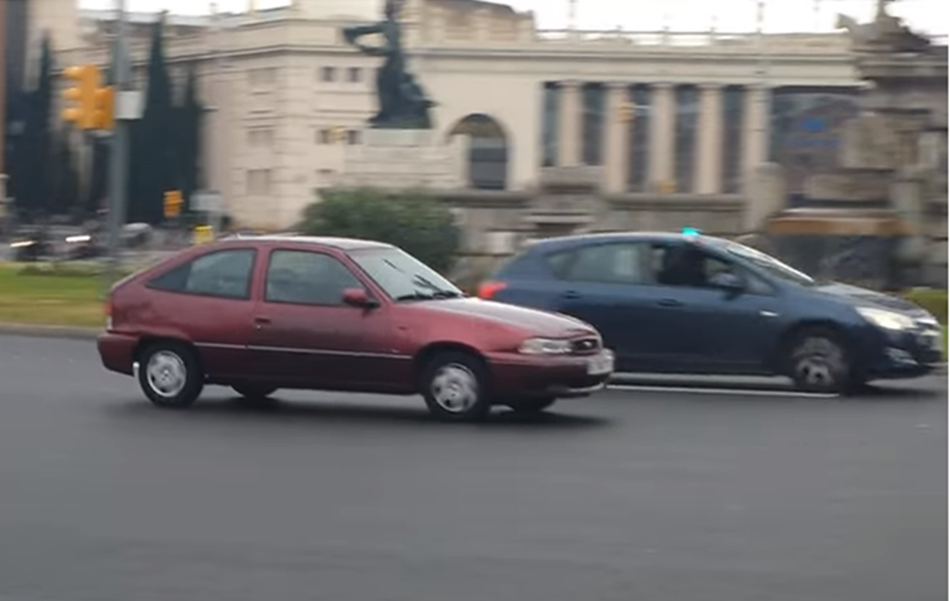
307,278
685,265
621,263
221,274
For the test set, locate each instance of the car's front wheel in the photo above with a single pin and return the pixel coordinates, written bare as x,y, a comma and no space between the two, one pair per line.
819,362
170,375
455,387
531,405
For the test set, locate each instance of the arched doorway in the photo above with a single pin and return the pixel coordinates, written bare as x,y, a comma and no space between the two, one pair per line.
487,151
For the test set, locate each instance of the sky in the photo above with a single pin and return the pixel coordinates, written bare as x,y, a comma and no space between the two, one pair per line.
927,16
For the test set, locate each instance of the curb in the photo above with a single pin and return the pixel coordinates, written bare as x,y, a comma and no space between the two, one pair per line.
42,331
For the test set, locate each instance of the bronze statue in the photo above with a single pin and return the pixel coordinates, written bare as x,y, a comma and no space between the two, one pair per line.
402,102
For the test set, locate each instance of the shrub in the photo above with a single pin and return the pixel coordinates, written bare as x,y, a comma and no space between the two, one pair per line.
933,300
413,221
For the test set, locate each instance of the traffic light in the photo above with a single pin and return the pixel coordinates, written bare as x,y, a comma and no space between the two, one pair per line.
83,94
173,202
104,116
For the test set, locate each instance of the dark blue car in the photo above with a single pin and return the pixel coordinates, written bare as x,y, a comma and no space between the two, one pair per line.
687,303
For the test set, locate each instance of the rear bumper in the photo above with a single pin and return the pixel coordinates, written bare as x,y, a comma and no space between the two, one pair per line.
117,352
545,376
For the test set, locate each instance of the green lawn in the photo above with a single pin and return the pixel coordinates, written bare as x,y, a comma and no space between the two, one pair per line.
71,299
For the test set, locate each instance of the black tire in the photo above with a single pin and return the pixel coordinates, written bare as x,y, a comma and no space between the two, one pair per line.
455,386
254,392
164,386
818,361
531,405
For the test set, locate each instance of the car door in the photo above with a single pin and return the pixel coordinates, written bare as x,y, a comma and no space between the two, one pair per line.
604,285
709,328
306,335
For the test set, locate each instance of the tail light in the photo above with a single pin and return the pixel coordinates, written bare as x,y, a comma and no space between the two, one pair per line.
488,290
108,311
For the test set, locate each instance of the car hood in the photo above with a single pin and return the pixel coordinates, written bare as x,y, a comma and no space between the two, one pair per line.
538,323
861,297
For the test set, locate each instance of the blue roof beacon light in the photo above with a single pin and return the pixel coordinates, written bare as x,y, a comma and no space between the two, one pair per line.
690,231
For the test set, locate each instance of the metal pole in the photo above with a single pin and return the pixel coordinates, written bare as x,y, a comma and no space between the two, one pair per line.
120,148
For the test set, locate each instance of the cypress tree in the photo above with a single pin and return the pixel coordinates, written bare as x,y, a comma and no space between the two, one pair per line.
152,166
190,115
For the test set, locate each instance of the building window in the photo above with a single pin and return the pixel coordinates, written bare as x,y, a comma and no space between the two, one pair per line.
733,99
594,98
355,74
328,74
687,115
258,181
260,137
639,139
549,124
324,136
353,136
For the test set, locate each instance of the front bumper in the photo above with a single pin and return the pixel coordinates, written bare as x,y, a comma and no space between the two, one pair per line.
520,376
904,354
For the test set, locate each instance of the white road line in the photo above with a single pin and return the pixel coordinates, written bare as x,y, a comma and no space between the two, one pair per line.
722,391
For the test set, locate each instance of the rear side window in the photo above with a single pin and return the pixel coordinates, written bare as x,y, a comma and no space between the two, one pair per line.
619,263
221,274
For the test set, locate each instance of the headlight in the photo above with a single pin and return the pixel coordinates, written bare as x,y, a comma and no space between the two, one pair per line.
545,346
886,319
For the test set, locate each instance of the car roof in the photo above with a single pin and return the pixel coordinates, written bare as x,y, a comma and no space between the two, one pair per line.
344,244
565,242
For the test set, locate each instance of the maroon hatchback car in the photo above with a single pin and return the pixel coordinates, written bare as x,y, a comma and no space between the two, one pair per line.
270,312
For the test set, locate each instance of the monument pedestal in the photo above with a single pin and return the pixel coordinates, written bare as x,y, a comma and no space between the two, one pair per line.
399,159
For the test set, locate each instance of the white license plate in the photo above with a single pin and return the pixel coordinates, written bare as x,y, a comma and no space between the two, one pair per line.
601,364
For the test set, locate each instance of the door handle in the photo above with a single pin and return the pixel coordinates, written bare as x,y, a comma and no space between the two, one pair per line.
260,322
670,302
571,294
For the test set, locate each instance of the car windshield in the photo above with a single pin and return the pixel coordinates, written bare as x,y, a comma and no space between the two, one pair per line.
402,276
766,263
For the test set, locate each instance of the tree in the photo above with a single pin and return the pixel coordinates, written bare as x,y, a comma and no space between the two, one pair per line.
414,221
189,117
64,183
30,163
152,169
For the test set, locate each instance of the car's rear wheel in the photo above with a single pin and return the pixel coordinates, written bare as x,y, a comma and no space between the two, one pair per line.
818,361
455,387
170,375
254,392
531,405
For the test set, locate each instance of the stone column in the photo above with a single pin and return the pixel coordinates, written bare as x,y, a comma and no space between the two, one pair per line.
758,104
709,163
662,134
616,138
569,135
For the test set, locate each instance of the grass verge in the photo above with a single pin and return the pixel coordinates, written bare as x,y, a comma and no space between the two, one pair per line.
51,296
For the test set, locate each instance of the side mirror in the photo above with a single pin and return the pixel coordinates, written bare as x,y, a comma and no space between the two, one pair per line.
728,282
357,297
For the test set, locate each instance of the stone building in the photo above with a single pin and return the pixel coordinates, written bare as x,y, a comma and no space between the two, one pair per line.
563,130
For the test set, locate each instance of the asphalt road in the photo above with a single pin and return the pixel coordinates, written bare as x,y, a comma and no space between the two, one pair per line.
629,496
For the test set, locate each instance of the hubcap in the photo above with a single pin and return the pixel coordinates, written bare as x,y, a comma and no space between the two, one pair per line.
821,365
455,388
166,374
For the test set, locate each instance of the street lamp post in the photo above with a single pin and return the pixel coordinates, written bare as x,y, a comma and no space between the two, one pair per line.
120,146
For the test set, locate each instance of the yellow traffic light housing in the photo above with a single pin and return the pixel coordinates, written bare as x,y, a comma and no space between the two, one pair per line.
173,202
104,114
83,94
